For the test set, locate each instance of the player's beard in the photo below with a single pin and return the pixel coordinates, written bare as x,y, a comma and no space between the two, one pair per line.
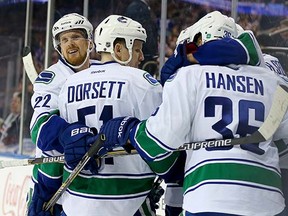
76,60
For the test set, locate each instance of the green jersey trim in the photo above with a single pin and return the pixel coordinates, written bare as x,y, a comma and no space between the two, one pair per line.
40,122
248,43
112,185
232,172
149,145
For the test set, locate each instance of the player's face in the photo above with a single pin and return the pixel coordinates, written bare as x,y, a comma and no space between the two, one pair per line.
73,46
15,105
137,54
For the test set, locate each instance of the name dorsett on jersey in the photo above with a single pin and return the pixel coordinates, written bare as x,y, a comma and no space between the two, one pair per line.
94,90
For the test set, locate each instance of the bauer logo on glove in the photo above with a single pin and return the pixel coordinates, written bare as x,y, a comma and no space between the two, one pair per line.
76,140
81,130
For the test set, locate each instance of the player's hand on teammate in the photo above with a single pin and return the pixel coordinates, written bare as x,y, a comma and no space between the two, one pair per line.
117,133
154,197
76,140
177,60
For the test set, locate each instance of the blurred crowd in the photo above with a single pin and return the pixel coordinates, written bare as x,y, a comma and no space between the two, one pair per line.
180,14
270,30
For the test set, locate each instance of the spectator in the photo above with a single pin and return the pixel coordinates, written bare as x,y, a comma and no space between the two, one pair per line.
10,127
140,11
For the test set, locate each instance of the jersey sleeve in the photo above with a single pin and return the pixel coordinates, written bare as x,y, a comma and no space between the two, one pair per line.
45,127
221,52
153,138
45,123
151,99
169,167
273,64
253,51
243,50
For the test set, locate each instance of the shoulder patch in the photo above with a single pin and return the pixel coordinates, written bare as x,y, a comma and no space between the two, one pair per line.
45,77
150,79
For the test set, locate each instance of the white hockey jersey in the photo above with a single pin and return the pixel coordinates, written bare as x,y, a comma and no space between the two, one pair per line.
273,64
94,96
44,101
173,194
44,125
213,102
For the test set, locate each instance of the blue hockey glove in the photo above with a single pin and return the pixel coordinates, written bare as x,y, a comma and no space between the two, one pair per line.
37,203
36,208
117,133
174,62
76,140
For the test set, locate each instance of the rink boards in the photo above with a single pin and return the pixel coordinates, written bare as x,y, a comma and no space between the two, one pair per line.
14,184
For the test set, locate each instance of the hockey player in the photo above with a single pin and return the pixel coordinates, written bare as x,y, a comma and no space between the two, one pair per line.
192,48
72,39
273,64
110,89
209,53
226,46
212,102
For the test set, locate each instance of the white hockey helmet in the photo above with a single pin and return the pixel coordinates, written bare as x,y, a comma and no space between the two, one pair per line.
68,22
212,26
240,30
117,26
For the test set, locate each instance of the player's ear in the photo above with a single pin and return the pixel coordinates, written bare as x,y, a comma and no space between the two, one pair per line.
117,50
91,45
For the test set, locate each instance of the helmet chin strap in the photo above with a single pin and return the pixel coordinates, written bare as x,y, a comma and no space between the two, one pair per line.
78,66
122,62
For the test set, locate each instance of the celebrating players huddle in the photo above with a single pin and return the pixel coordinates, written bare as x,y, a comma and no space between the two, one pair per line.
216,86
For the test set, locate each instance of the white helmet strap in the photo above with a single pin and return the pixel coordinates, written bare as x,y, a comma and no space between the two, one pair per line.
122,62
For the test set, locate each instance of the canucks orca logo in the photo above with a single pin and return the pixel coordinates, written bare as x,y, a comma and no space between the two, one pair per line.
150,79
45,77
122,19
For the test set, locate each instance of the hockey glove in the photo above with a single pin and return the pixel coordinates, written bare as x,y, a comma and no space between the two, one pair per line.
76,140
191,48
154,196
37,204
176,61
117,133
171,210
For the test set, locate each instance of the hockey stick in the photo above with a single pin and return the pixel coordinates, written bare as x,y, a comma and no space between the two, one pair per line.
54,159
29,65
32,161
268,128
91,152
